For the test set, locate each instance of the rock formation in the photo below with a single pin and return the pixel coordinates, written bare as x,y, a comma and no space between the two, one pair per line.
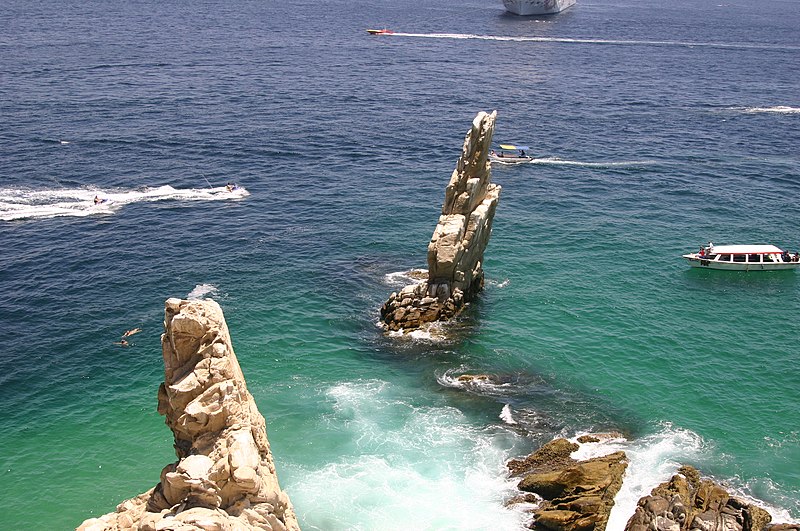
688,503
576,495
455,252
572,495
224,477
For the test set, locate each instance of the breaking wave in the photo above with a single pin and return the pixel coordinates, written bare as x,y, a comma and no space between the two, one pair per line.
22,203
401,465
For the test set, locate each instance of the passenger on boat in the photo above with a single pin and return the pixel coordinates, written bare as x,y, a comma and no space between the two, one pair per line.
702,252
521,152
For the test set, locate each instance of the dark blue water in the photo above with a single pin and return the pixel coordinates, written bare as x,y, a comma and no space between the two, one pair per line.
656,127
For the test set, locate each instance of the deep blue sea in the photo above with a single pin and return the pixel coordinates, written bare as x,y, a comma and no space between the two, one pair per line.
656,127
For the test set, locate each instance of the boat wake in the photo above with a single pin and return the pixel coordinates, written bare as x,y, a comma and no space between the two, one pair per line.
780,109
555,161
22,203
613,42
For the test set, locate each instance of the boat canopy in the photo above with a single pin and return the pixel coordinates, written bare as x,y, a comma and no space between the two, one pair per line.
746,249
512,146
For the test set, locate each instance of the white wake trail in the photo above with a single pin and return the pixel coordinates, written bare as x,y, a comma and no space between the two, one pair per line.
613,42
24,203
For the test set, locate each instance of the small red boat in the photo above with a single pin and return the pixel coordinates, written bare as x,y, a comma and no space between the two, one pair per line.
380,31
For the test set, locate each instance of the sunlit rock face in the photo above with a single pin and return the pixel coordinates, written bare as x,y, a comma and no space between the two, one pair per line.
688,502
224,477
455,252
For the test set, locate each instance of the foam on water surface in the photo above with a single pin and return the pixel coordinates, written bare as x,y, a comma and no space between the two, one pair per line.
406,467
202,291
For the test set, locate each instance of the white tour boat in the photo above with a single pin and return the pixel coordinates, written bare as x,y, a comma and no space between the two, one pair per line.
537,7
510,154
743,258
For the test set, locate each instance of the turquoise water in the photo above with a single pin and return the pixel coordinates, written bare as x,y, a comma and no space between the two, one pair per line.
655,129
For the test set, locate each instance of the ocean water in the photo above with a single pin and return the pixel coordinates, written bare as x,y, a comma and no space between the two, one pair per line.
656,127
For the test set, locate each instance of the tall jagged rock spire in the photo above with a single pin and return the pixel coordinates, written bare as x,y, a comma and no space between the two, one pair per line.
455,252
225,475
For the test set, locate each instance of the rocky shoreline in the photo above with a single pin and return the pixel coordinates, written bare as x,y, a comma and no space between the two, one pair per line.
571,495
225,478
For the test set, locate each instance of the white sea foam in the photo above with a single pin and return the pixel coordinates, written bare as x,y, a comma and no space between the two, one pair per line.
403,278
653,460
486,384
22,203
403,466
501,284
201,291
613,42
507,416
779,515
434,332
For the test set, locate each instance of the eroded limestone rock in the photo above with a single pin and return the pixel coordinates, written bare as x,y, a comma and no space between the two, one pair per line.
455,252
225,475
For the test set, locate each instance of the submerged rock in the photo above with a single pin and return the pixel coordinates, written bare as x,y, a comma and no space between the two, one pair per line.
455,252
225,475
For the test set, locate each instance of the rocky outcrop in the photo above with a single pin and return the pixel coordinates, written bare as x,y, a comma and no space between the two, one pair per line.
572,495
225,476
575,495
455,252
688,503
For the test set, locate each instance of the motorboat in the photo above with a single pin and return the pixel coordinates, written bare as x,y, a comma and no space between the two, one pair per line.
380,31
743,258
537,7
510,154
